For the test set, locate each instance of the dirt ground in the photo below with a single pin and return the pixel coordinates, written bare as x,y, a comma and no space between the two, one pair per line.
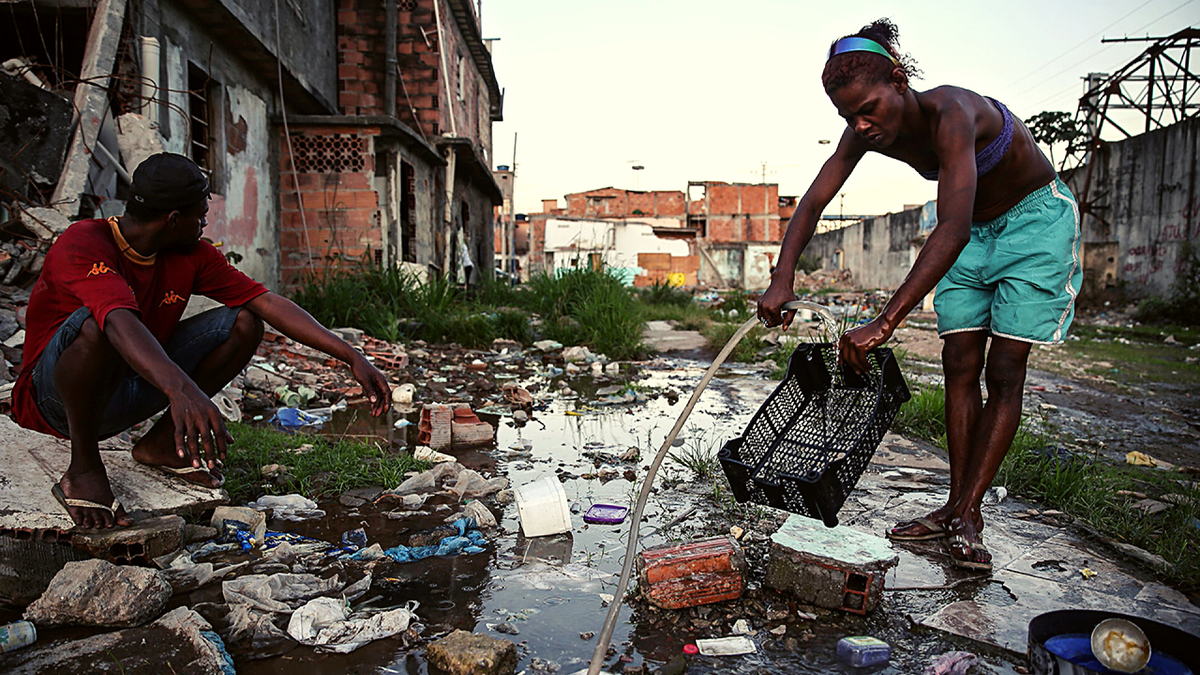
1111,388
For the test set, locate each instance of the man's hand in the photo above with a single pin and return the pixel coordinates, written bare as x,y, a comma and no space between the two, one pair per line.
854,345
771,303
198,425
374,385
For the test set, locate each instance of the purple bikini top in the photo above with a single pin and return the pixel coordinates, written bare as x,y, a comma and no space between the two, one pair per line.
989,157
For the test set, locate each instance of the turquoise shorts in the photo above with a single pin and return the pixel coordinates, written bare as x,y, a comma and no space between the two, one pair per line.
1019,274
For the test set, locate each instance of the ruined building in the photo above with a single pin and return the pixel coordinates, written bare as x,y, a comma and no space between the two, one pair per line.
722,234
334,131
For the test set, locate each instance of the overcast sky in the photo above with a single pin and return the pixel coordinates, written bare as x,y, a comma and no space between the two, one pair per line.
700,90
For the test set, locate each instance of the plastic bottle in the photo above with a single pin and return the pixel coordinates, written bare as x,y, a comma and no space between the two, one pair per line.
861,651
16,635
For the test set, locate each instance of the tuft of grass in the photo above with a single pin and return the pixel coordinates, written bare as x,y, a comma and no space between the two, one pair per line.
591,307
665,294
347,464
924,416
718,334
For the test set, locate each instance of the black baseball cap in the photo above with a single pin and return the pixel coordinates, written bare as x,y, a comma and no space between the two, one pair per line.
168,182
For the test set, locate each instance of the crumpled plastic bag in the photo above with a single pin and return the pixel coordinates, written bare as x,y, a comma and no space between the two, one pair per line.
469,540
426,481
471,485
278,592
324,623
345,637
316,615
254,633
288,507
952,663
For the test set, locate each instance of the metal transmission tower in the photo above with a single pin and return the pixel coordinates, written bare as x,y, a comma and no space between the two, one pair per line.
1161,85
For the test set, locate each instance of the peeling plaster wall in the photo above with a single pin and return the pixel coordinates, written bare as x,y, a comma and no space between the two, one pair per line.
878,251
618,241
1146,190
243,213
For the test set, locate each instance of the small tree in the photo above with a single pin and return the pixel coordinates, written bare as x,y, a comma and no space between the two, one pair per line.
1051,127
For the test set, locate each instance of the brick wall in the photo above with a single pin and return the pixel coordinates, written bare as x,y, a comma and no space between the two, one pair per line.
420,93
335,171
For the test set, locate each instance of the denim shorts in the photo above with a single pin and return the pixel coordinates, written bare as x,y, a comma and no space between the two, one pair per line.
1019,274
135,399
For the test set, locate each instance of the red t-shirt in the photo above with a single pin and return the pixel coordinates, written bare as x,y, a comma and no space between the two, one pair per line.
91,265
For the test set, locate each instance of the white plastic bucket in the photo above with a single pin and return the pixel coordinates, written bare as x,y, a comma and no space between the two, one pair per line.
542,507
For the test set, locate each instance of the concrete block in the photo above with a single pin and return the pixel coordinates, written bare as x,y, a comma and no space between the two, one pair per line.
45,222
29,559
99,593
467,429
434,428
137,544
835,568
698,572
463,653
353,336
255,520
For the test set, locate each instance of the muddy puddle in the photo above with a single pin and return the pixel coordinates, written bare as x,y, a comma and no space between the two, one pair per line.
547,594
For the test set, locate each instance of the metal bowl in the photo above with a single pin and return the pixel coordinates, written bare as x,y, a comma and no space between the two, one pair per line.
1120,645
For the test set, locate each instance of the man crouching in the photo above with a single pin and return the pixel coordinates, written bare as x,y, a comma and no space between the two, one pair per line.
106,348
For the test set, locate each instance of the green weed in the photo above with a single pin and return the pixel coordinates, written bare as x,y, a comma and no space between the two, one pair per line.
343,464
924,416
665,294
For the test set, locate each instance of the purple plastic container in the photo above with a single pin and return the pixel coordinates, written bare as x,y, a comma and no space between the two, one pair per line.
605,514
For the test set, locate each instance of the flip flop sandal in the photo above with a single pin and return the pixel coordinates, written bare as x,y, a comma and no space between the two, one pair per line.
936,530
68,502
181,471
968,563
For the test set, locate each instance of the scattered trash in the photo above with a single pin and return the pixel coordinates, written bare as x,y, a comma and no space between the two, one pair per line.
1150,507
542,507
403,394
691,649
862,651
469,540
401,423
227,405
288,507
1087,573
736,532
290,419
1137,458
605,514
16,635
952,663
742,627
327,625
355,539
996,495
427,454
483,517
727,646
547,345
295,399
240,518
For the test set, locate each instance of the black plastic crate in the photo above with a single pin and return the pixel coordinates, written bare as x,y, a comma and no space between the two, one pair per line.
813,437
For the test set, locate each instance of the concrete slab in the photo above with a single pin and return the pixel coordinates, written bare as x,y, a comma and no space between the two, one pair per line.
1006,625
662,337
30,463
1038,564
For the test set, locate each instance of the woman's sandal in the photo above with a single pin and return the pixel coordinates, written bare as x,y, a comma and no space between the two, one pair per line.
936,530
969,562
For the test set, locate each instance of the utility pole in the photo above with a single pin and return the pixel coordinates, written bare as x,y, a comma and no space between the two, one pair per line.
512,218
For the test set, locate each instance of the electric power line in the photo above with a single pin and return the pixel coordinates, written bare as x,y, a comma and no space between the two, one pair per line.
1082,43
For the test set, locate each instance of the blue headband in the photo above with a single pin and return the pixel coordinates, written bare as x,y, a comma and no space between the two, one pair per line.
860,44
